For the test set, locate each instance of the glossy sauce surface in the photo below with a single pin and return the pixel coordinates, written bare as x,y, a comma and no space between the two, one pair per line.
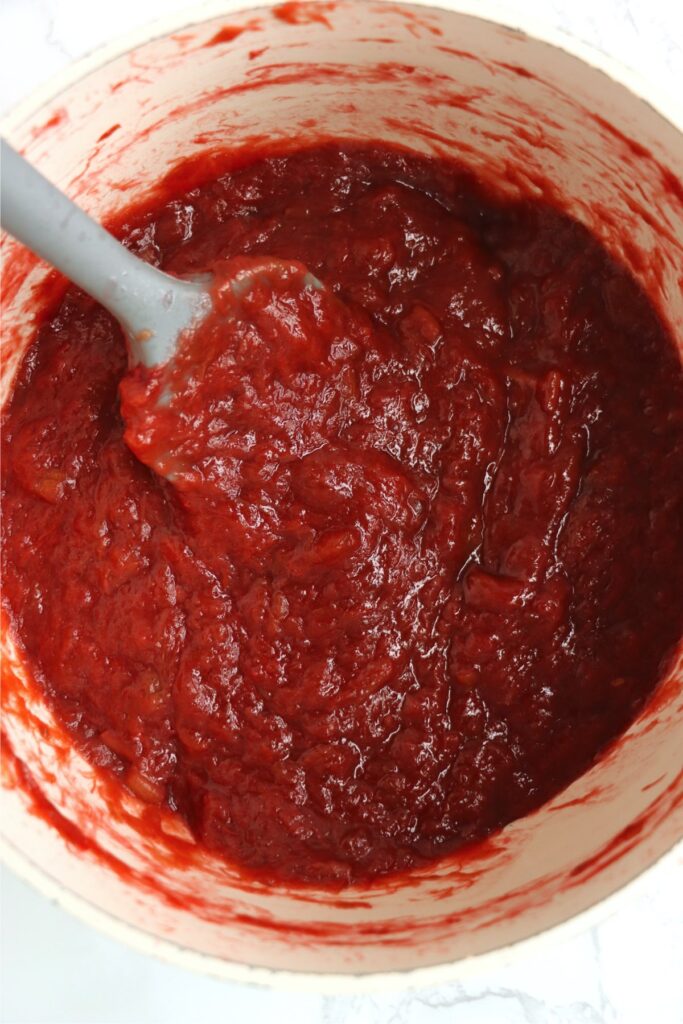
420,555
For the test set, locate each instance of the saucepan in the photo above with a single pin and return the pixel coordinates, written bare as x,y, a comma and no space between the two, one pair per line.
538,114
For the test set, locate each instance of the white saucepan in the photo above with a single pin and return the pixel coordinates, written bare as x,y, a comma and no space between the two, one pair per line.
542,116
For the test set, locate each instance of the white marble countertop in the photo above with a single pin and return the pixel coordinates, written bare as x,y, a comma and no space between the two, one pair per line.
626,970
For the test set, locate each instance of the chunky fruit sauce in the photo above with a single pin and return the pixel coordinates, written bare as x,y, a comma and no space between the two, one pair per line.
419,556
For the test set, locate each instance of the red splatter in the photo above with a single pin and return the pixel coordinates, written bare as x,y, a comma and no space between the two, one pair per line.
295,13
226,35
59,117
109,131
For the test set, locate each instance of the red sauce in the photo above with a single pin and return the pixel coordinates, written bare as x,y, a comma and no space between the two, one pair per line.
295,13
421,556
225,35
